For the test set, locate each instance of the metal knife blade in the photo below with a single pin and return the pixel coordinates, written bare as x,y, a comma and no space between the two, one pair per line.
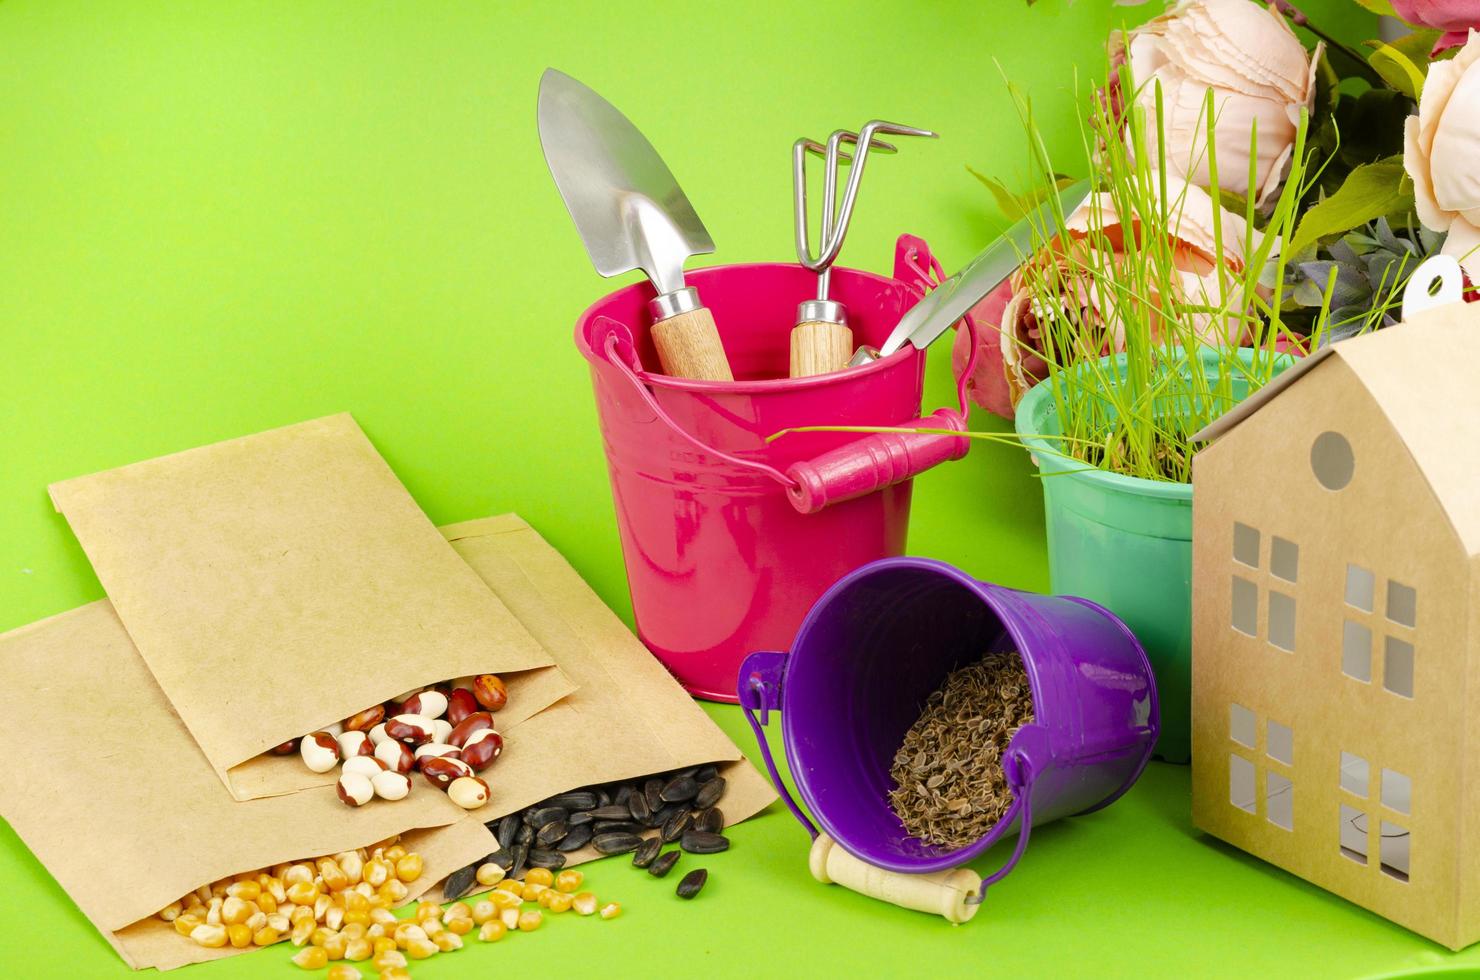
951,300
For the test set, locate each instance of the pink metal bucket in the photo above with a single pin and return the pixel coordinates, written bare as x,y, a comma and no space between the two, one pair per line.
729,540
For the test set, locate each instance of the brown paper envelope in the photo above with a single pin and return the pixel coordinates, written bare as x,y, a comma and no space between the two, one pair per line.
256,571
122,777
151,942
627,717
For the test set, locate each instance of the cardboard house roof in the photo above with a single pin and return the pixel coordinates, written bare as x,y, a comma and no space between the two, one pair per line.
1424,375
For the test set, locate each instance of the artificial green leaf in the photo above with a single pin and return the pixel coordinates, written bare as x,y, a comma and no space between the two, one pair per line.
1382,8
1369,192
1403,63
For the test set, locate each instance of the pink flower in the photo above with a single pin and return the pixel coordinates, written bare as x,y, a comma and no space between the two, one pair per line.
1454,17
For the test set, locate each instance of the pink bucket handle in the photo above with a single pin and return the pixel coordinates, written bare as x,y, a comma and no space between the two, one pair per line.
861,467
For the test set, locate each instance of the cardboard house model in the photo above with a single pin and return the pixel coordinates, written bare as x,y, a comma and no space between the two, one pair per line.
1336,623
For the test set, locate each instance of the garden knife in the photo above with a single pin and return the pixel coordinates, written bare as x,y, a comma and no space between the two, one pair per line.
951,300
631,214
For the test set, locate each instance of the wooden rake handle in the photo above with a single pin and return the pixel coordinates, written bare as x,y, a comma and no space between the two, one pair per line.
689,347
819,347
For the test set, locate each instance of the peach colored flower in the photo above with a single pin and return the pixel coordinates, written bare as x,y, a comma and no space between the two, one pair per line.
1441,152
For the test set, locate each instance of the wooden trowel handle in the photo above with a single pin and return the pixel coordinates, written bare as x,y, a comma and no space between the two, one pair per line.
939,893
819,347
689,347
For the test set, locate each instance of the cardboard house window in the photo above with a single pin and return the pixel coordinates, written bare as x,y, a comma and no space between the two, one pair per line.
1402,604
1284,565
1356,651
1361,585
1395,794
1399,615
1245,776
1332,461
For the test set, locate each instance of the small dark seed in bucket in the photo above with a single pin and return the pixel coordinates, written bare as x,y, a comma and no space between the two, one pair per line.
540,858
637,805
616,843
611,812
711,820
460,882
692,883
653,790
507,828
664,864
710,793
643,856
578,837
699,842
681,789
552,833
675,826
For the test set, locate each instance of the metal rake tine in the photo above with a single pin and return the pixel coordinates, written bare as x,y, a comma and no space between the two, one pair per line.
865,140
800,149
877,146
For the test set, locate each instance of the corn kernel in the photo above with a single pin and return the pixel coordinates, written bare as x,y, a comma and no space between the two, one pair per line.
266,936
352,865
355,919
584,903
171,912
504,900
196,909
334,916
311,958
356,902
267,902
301,931
394,853
320,934
533,890
218,888
383,944
343,971
408,931
303,893
301,913
421,949
186,922
256,921
447,941
321,906
461,926
559,902
213,911
359,950
409,867
483,911
545,895
297,874
280,922
427,910
355,930
539,876
376,872
209,936
335,946
511,885
389,959
239,935
530,921
510,918
569,880
203,894
457,910
247,891
492,931
235,911
432,926
393,891
489,873
395,973
364,889
611,910
334,876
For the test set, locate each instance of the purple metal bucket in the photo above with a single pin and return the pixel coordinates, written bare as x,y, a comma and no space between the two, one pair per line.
883,638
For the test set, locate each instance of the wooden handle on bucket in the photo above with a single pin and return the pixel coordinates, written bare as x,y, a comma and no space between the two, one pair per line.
939,893
819,347
689,347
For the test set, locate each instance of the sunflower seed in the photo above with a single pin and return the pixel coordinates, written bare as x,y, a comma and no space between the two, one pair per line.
706,773
521,856
579,799
525,834
552,833
643,856
699,842
619,827
680,789
710,793
541,858
507,828
675,826
603,797
500,857
460,882
616,843
662,816
578,837
546,814
692,882
710,821
638,806
578,818
653,790
664,864
624,793
611,812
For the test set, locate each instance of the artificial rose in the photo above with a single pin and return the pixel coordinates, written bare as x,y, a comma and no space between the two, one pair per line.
1454,17
1441,152
1010,352
1260,74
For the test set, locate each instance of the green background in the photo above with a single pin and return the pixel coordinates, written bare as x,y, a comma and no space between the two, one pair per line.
219,218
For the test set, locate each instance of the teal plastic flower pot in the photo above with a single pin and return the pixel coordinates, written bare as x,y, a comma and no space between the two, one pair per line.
1125,543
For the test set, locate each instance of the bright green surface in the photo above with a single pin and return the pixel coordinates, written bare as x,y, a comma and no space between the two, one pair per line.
219,218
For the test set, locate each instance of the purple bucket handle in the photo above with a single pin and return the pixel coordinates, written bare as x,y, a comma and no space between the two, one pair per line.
864,465
1030,753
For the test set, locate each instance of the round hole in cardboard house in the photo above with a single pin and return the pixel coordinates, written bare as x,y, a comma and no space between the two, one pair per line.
1332,461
